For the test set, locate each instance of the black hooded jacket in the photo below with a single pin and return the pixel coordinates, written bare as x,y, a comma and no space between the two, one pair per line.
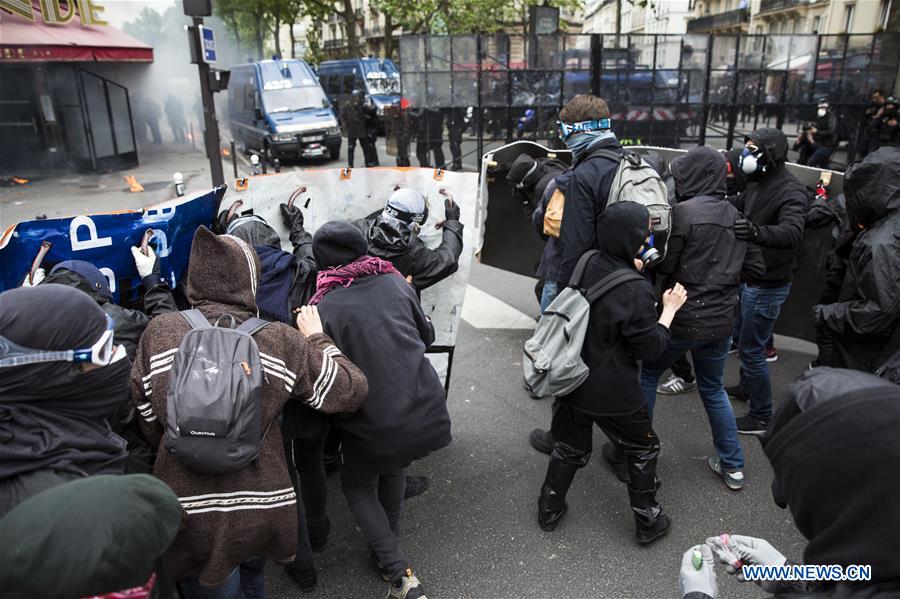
835,453
776,201
53,416
867,314
623,325
402,247
703,254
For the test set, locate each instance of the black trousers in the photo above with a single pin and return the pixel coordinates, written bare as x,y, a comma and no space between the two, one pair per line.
424,146
370,154
682,368
632,434
304,458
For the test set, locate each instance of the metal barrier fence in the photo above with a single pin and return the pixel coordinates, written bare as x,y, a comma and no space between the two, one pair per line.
482,91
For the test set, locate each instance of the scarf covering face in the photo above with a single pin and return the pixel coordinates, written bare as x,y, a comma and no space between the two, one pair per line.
343,276
580,143
53,415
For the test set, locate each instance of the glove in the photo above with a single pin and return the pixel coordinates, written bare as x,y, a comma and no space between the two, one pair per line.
451,209
745,230
702,580
755,551
39,275
817,314
292,217
220,225
146,265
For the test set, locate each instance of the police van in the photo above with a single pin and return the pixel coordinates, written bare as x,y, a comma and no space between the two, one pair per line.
379,78
277,107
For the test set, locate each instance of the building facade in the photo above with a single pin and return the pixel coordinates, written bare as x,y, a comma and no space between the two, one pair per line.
791,17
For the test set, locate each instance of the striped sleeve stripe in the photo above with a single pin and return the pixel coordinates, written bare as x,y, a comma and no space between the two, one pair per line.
144,406
326,360
242,500
242,507
236,494
271,359
326,378
158,371
290,375
279,374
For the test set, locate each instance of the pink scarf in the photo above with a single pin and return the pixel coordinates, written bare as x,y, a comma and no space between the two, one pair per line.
343,276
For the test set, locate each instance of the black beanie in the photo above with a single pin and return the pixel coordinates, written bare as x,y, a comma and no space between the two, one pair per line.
337,243
520,169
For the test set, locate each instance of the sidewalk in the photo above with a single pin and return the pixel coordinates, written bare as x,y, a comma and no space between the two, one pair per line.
70,194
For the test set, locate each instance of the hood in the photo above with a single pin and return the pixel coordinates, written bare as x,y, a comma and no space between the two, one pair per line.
872,186
390,238
223,270
621,230
700,172
95,279
835,453
255,231
298,121
773,143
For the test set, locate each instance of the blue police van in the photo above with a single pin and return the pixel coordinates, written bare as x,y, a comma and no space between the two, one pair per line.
378,78
277,108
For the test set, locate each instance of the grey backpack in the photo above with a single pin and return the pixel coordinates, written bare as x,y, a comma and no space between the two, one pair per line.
637,181
552,361
213,411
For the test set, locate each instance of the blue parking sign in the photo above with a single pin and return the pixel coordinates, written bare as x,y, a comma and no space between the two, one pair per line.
209,44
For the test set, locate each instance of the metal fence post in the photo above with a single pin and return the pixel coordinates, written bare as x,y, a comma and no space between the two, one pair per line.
704,109
732,109
479,116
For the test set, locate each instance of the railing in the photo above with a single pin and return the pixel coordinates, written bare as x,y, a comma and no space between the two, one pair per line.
376,31
725,20
335,43
767,6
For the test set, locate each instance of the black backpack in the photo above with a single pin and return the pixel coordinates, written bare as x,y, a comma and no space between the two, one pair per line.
213,412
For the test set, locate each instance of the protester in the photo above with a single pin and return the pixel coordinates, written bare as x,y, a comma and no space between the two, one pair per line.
863,323
622,329
845,521
90,536
234,521
393,235
706,258
175,115
817,141
586,130
405,415
129,326
287,282
773,209
888,126
61,379
871,119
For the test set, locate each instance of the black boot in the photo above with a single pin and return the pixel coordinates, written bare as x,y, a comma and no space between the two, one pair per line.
650,521
541,440
616,459
552,501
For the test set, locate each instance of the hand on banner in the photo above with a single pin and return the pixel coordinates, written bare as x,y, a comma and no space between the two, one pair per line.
146,264
39,275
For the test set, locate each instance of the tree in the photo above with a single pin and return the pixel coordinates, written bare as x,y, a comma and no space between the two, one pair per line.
319,10
147,26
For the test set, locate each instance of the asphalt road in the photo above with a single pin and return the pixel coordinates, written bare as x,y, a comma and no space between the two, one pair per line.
474,533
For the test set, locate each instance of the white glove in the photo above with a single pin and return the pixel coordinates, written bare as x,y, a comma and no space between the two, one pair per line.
144,264
39,275
702,580
754,551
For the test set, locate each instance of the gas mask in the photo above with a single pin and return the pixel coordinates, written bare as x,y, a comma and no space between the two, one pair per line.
752,162
648,254
821,112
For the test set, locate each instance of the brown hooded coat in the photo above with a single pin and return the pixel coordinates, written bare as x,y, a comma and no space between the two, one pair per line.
252,512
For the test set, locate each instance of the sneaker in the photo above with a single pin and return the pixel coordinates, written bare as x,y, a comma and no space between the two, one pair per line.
734,479
675,385
306,580
407,587
318,535
645,536
416,485
771,354
377,568
737,393
541,440
748,425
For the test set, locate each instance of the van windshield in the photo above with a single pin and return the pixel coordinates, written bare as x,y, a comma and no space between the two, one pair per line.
382,77
292,99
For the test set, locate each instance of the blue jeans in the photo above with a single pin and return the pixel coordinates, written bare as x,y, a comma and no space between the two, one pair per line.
760,308
709,365
551,290
821,157
247,581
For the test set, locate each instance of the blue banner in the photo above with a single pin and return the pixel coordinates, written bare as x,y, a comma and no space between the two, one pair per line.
105,240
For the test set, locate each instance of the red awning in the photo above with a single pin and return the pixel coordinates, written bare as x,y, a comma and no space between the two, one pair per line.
22,40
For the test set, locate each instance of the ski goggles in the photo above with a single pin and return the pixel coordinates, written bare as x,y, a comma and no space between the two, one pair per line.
566,130
101,353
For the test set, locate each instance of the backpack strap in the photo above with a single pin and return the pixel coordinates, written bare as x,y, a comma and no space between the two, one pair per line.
252,325
580,266
196,319
609,282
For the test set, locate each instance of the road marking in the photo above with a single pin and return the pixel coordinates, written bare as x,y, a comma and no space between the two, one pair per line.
484,311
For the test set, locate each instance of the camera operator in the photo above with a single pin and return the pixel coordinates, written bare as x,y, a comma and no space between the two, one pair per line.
818,139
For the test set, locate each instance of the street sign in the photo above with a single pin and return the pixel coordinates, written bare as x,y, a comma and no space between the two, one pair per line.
208,42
